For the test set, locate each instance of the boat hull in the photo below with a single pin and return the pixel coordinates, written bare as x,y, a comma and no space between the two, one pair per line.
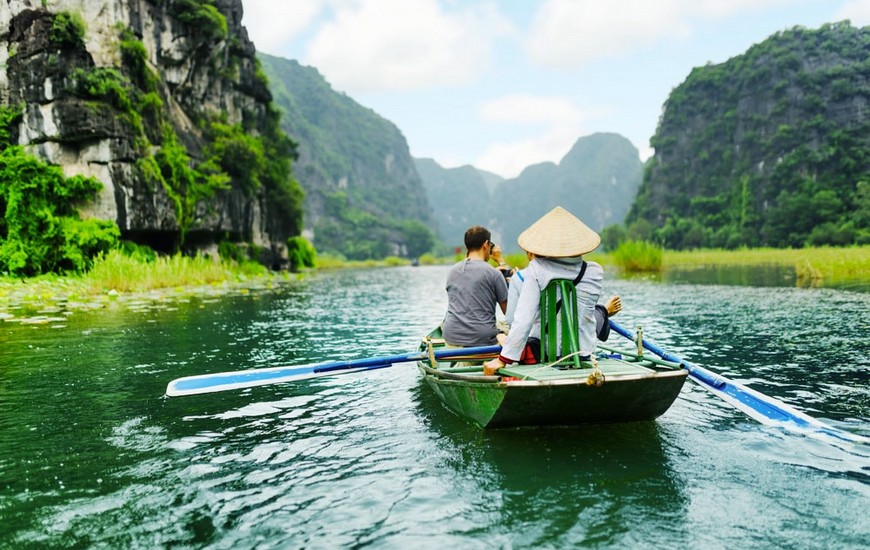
561,402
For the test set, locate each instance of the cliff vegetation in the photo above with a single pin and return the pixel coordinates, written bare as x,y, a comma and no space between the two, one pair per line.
158,113
770,148
363,196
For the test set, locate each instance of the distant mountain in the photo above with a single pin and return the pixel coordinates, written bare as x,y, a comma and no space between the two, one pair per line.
596,181
770,148
460,197
364,198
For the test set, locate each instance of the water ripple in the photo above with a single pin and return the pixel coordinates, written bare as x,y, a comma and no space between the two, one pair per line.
374,459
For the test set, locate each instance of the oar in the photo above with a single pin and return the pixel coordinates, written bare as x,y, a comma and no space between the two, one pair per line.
763,408
223,381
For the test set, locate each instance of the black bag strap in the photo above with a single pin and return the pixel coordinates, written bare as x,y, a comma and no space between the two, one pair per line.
579,276
575,282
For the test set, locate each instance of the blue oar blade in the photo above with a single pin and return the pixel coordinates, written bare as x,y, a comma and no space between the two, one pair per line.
757,405
225,381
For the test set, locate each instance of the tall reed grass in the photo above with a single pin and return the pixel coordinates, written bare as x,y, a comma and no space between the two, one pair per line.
333,261
638,256
811,265
117,271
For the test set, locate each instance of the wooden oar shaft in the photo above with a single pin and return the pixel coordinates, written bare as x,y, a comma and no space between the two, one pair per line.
759,406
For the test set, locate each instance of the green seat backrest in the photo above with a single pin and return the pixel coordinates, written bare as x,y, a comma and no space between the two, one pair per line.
559,308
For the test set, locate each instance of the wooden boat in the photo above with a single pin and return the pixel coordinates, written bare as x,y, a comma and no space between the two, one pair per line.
635,387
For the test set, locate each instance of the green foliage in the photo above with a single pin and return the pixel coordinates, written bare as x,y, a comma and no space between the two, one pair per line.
638,256
67,30
419,239
135,59
429,259
301,252
105,83
612,236
240,155
201,17
395,261
138,252
40,231
184,184
9,119
119,271
231,252
284,192
765,149
109,85
362,235
84,240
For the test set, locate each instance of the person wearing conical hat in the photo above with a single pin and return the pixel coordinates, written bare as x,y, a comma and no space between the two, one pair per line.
557,242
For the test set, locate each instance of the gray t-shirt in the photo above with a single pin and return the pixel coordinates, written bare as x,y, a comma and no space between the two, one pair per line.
474,288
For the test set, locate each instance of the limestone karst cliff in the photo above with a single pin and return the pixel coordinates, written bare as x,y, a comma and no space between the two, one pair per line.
163,102
363,196
769,148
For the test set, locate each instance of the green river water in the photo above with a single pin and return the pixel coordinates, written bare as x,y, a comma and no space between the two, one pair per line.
92,455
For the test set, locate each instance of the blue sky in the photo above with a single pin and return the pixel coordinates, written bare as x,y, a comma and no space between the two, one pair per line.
503,85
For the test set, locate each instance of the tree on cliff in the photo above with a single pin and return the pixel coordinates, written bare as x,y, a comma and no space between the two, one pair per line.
165,104
40,229
770,148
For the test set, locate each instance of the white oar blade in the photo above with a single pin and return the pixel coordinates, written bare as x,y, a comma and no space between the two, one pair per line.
227,381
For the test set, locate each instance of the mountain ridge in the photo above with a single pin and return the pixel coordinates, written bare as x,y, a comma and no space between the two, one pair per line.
602,169
364,198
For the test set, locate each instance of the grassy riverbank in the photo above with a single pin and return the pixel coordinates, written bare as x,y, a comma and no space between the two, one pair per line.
816,266
117,278
813,266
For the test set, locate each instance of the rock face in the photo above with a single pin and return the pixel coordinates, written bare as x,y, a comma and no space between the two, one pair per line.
188,62
770,148
461,197
360,182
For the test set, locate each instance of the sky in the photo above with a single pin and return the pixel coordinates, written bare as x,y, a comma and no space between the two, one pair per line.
502,85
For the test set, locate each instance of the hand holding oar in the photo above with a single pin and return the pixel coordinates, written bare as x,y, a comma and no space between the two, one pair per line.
763,408
223,381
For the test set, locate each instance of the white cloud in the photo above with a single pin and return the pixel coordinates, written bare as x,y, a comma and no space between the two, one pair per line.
719,9
375,45
272,24
857,11
570,33
559,122
509,159
528,109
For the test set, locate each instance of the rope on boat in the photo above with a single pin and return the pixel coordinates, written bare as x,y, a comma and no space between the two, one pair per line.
431,353
639,340
455,376
596,378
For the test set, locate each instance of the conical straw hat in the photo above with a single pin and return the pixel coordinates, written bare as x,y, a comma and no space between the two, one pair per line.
559,234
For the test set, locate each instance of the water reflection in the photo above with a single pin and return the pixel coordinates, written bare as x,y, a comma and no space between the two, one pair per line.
772,275
558,487
92,455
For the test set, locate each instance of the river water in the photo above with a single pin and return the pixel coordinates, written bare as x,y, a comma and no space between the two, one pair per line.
93,455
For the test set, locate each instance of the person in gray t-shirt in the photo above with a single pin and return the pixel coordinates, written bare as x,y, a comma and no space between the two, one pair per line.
474,288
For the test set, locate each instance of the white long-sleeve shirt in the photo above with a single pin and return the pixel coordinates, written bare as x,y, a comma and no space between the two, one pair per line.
526,317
